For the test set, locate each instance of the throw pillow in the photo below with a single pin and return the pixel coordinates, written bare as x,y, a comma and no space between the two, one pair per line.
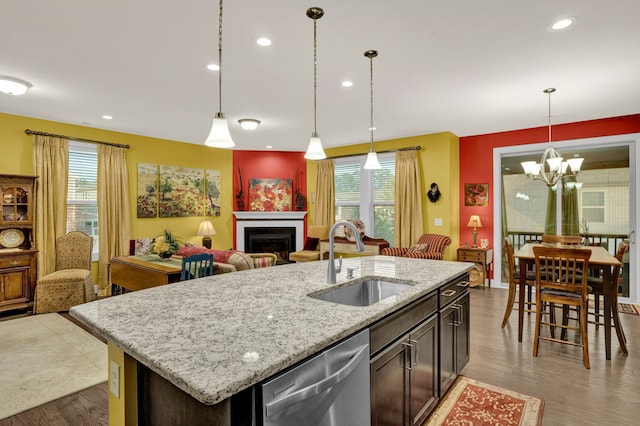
418,248
311,243
142,246
241,261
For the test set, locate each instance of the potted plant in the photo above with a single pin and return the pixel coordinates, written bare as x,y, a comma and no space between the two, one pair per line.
165,245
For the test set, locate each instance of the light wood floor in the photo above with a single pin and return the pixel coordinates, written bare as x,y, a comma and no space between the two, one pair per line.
607,394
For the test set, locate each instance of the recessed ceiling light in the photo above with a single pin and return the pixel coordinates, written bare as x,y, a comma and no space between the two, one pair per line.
107,117
563,23
347,83
213,67
268,146
263,41
13,86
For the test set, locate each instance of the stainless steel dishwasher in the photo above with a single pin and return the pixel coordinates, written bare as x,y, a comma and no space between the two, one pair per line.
331,388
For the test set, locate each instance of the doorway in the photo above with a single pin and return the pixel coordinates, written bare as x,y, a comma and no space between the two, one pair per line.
606,197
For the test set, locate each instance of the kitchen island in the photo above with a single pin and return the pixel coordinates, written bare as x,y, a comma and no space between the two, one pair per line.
214,337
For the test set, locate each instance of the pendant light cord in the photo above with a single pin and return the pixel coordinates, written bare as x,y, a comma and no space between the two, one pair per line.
315,76
371,96
220,58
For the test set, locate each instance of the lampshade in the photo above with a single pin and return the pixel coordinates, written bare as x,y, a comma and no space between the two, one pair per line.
13,86
372,161
474,221
315,150
205,229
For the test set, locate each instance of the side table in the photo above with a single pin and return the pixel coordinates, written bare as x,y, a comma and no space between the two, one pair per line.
480,256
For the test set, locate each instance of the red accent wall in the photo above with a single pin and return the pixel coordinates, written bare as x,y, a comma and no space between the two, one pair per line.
476,159
268,165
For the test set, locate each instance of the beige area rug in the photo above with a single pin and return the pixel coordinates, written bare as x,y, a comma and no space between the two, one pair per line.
470,402
45,357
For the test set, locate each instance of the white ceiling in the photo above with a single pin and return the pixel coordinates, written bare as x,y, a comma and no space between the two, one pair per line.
466,66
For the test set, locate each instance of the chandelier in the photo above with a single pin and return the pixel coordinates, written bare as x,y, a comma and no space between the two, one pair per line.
551,167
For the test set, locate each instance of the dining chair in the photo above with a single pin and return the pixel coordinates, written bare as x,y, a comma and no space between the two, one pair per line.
514,277
562,239
596,288
561,284
197,266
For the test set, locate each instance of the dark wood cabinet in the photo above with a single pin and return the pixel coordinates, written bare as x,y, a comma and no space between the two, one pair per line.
17,256
454,334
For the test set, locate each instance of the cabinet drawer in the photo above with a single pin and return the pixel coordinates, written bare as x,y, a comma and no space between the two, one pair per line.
473,256
14,261
390,328
453,290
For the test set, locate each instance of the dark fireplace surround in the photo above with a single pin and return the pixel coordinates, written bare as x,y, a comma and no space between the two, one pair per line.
277,240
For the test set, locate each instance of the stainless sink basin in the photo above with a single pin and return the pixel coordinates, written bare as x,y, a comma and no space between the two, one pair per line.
364,292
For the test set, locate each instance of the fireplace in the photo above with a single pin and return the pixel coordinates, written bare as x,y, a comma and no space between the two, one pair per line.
270,232
277,240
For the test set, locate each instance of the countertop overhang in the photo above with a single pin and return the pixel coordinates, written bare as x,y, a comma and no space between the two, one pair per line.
215,336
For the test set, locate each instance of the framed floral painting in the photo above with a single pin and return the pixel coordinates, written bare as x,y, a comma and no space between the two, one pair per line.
476,194
270,195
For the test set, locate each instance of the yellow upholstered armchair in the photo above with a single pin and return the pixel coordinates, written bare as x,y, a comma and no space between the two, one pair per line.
429,246
311,245
71,284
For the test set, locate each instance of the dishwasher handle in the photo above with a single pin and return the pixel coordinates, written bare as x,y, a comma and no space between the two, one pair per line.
317,388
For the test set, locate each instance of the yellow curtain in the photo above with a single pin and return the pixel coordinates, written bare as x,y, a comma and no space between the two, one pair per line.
113,211
325,194
51,165
408,224
570,209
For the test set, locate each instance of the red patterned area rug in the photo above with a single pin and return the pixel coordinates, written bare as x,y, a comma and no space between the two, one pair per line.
623,308
470,402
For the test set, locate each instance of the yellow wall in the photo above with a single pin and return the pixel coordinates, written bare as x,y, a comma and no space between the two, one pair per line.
439,159
16,158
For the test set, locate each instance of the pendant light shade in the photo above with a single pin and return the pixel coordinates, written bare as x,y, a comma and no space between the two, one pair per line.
372,162
315,150
219,136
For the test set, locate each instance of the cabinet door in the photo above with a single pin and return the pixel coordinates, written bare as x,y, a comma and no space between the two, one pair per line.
14,286
447,348
462,333
423,377
389,383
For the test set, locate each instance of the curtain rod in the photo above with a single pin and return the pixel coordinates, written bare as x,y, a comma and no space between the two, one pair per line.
408,148
73,138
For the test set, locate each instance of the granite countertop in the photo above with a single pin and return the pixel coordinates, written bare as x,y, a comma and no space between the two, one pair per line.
214,336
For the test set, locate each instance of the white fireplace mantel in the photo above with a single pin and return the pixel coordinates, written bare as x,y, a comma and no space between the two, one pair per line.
250,219
245,215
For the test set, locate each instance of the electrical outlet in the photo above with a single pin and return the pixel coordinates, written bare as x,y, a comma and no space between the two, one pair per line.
438,221
114,379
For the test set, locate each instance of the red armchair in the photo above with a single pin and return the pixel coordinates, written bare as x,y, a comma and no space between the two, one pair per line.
434,249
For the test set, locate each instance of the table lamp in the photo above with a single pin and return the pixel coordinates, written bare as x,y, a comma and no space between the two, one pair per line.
474,222
205,230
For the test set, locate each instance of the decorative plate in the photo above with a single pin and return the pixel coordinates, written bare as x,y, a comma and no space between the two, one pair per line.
476,276
11,238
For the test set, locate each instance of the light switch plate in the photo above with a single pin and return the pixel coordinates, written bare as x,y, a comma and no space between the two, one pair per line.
114,379
438,221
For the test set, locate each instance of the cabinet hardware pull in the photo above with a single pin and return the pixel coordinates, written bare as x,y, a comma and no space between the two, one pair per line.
463,284
414,352
459,315
407,347
448,293
15,263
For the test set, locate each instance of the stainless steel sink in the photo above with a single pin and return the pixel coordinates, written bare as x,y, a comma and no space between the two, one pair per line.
364,292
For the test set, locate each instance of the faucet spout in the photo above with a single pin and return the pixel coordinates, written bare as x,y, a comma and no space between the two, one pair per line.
331,270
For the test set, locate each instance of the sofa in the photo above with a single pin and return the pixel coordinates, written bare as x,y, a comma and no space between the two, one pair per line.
225,261
311,249
429,246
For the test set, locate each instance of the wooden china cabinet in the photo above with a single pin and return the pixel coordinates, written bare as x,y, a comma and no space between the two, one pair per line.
17,256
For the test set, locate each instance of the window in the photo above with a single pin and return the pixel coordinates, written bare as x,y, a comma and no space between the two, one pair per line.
368,195
593,206
82,191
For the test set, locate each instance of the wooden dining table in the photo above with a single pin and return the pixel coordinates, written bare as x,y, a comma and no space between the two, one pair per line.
600,257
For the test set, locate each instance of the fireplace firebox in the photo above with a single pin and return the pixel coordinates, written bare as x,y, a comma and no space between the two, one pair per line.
277,240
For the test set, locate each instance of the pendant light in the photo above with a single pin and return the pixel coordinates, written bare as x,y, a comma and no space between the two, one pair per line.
551,168
315,150
219,136
372,158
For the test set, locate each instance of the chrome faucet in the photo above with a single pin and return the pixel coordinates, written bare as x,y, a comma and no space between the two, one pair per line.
331,271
